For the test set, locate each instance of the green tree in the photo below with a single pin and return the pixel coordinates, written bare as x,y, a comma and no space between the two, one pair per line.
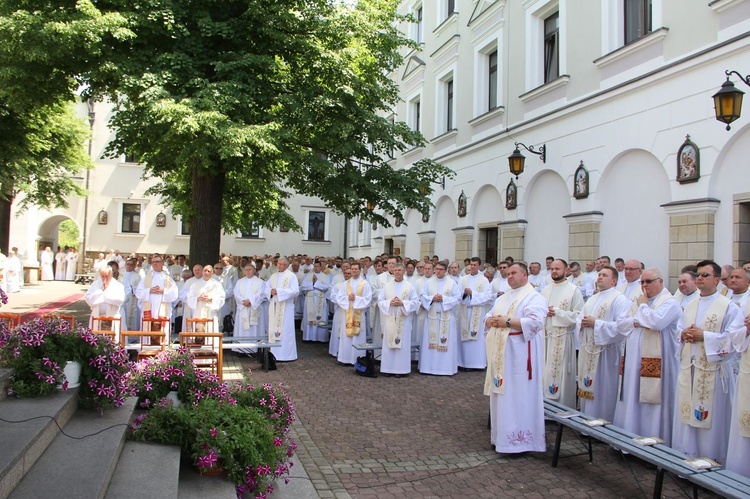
45,47
40,151
67,234
234,105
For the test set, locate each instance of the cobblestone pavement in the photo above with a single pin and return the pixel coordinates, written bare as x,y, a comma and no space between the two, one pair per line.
426,436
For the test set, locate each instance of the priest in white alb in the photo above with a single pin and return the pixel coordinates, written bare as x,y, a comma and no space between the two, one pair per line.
354,297
398,302
476,297
250,320
281,290
564,304
438,353
156,291
515,359
315,316
708,363
602,325
645,405
738,454
206,297
339,314
105,297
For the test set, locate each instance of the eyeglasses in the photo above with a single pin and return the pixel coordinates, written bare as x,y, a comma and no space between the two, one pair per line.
705,274
218,268
649,281
630,269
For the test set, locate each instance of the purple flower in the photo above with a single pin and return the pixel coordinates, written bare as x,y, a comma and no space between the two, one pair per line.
213,432
277,442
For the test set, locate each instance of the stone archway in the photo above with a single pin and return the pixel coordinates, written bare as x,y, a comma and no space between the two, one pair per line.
47,233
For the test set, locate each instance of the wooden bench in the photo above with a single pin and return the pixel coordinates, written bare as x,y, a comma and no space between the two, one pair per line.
663,457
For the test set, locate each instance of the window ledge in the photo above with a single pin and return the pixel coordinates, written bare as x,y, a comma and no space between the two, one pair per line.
182,236
722,5
240,238
558,82
130,234
131,165
315,241
444,136
451,20
411,151
492,113
632,47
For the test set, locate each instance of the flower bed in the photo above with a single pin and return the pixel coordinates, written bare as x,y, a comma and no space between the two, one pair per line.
245,427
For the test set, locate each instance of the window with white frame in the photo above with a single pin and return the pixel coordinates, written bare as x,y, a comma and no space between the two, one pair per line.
552,47
418,27
487,78
316,228
131,218
415,113
447,9
184,227
492,80
353,232
252,232
446,108
545,50
637,18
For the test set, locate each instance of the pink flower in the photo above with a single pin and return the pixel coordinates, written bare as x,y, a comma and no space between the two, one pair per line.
277,441
213,432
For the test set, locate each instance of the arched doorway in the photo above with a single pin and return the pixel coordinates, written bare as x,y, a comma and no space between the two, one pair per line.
57,230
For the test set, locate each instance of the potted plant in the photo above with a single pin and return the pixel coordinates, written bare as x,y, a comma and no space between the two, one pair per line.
241,428
37,350
171,371
36,358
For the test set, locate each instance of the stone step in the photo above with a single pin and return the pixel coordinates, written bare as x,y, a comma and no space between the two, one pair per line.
152,469
23,443
74,468
4,382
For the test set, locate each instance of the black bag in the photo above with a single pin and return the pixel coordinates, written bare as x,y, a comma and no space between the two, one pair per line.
365,366
271,361
228,324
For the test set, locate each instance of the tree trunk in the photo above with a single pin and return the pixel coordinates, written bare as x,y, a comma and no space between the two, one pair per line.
205,227
5,224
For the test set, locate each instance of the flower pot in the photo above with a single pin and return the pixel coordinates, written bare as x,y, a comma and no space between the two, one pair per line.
72,371
174,398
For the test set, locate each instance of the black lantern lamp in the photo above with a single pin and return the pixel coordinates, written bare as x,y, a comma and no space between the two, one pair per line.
728,100
517,161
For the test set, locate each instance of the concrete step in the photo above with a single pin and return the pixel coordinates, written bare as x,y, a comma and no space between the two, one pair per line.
74,468
23,443
4,381
154,468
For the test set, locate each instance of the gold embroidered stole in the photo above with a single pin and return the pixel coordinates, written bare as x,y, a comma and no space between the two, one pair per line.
353,316
394,322
497,338
555,341
743,397
314,301
146,304
588,355
695,391
651,359
438,335
276,308
471,324
249,315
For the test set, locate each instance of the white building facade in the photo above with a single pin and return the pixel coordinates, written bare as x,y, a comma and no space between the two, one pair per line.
618,92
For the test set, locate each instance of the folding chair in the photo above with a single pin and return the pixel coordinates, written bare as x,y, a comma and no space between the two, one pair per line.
205,344
69,318
11,320
108,326
152,339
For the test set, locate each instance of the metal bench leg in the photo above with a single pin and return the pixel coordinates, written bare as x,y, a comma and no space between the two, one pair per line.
266,359
489,420
659,482
591,450
695,491
558,441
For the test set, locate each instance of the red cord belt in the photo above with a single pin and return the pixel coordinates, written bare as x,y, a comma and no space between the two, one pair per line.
528,359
